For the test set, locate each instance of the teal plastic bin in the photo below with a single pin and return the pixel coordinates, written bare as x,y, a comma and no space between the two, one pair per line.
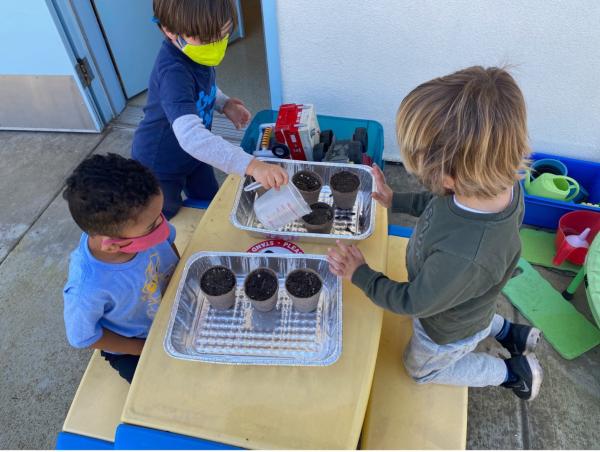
343,128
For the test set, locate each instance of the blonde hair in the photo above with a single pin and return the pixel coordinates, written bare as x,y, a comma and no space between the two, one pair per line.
470,125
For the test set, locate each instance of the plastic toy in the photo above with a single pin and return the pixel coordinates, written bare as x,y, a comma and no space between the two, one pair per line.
552,186
575,223
548,165
345,151
570,244
267,145
298,128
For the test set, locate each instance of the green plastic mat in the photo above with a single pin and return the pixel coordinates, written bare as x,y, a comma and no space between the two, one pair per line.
569,332
538,248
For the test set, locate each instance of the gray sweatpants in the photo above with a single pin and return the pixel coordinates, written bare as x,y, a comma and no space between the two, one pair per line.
456,363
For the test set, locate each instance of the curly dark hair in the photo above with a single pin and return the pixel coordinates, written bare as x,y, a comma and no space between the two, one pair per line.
106,191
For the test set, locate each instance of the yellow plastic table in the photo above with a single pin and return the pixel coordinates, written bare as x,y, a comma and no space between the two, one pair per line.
261,407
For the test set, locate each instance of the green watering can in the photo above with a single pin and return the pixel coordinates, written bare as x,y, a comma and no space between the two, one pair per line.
553,186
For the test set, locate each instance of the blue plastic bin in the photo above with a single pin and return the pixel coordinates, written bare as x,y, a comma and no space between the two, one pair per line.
343,128
544,212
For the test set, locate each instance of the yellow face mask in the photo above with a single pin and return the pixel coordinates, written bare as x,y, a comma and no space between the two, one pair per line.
208,54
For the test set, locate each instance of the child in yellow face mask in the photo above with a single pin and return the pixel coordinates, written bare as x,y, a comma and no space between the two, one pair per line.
174,139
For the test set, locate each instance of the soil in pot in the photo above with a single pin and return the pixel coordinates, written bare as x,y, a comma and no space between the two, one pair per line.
218,284
304,288
344,187
320,219
308,184
261,288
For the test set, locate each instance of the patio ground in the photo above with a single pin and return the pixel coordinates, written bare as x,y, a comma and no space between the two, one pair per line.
40,372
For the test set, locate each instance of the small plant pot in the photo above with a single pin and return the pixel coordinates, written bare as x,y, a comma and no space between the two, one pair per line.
344,187
261,287
218,285
309,185
320,219
304,289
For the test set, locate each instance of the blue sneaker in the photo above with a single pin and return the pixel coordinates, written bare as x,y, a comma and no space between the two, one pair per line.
525,376
521,339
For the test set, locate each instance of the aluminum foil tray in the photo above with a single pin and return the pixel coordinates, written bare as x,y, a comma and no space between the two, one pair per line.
242,335
353,224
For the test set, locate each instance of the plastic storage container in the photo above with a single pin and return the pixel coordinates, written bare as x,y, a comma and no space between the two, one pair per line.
544,212
343,128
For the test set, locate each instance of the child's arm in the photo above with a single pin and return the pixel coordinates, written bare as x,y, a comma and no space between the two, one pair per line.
83,313
443,282
410,203
178,102
119,344
233,108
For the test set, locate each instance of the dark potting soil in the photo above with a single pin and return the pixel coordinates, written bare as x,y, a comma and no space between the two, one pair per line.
344,181
303,284
306,181
217,281
321,213
261,285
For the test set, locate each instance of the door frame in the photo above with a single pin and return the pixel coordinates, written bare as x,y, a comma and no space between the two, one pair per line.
77,24
271,31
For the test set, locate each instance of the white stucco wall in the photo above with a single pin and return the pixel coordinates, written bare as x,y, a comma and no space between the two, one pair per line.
359,58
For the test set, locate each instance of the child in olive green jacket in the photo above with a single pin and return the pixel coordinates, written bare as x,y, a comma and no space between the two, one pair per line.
465,137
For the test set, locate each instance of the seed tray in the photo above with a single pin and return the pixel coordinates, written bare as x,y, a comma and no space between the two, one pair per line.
243,335
349,225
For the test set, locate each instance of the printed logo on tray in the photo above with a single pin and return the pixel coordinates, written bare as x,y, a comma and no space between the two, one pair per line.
275,246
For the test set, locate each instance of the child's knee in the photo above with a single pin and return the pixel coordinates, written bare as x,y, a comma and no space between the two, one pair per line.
171,206
414,370
418,376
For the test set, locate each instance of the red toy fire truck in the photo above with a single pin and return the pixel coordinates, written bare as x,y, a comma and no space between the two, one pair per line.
297,127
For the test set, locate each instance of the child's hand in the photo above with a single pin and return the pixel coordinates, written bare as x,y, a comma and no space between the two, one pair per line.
344,260
383,194
237,112
268,175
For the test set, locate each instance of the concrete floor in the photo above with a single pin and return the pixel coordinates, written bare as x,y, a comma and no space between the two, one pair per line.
243,72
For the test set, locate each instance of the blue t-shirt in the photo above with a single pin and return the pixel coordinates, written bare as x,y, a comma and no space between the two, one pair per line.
177,87
122,298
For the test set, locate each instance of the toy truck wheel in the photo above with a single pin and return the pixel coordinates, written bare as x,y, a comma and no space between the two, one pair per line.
319,152
360,134
355,153
327,138
280,150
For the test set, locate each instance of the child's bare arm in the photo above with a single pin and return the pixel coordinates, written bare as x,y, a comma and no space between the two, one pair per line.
120,344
